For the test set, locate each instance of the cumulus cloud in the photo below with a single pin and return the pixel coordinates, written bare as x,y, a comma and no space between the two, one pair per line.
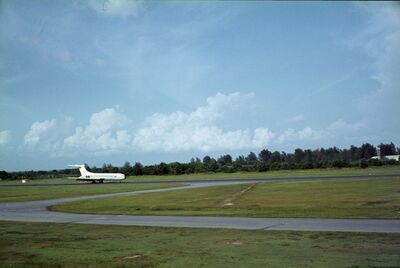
116,8
380,40
39,131
291,135
342,126
109,131
46,136
334,131
198,130
5,136
105,132
297,118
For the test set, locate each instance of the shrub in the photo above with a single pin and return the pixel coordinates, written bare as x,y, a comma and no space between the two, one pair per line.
363,163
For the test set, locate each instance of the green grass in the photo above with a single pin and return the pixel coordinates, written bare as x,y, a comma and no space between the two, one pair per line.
41,181
376,198
240,175
274,174
78,245
14,194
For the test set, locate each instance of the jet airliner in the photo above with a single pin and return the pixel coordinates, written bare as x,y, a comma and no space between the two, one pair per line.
100,177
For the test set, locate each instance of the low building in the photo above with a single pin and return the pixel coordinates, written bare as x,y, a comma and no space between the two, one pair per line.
387,157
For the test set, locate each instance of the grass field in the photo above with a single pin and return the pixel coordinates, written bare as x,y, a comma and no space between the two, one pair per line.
75,245
275,174
40,181
239,175
379,198
14,194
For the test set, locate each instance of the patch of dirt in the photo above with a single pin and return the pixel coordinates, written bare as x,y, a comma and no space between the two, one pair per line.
371,203
11,255
132,257
230,200
235,242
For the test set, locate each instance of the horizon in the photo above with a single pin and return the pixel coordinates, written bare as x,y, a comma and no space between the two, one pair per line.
201,158
113,81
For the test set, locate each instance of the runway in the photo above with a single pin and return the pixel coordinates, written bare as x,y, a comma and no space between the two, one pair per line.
37,211
233,180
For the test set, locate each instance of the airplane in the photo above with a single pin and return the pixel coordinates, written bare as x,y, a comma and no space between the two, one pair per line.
93,177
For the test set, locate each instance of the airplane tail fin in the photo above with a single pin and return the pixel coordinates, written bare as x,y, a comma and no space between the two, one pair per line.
82,169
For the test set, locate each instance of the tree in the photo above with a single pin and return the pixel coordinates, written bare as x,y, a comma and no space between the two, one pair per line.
367,151
264,156
206,159
363,163
177,168
126,168
213,166
162,169
107,168
387,149
262,167
355,153
298,155
4,175
251,158
137,169
225,159
308,156
240,160
276,157
195,160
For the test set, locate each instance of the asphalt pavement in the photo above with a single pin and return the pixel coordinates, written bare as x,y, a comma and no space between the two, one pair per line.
234,180
37,211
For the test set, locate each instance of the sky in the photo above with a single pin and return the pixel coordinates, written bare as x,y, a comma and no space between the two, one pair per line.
109,81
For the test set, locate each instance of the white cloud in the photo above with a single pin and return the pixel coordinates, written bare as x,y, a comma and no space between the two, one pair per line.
262,137
342,126
38,131
198,131
110,132
380,40
5,136
116,8
335,131
291,135
47,135
297,118
105,132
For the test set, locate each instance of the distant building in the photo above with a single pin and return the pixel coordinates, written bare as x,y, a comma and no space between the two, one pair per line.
388,157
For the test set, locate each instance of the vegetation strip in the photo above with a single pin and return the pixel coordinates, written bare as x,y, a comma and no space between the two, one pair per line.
18,194
271,179
229,200
322,158
79,245
316,199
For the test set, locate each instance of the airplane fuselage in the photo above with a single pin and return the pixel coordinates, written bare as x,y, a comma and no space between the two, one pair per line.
103,176
100,177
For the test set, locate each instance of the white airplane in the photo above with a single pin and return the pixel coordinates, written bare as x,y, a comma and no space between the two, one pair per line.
100,177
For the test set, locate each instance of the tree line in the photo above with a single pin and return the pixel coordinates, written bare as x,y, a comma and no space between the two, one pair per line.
265,160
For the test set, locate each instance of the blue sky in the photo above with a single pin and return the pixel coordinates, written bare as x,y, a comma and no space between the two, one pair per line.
113,81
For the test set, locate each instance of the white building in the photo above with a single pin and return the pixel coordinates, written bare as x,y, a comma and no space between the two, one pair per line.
388,157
